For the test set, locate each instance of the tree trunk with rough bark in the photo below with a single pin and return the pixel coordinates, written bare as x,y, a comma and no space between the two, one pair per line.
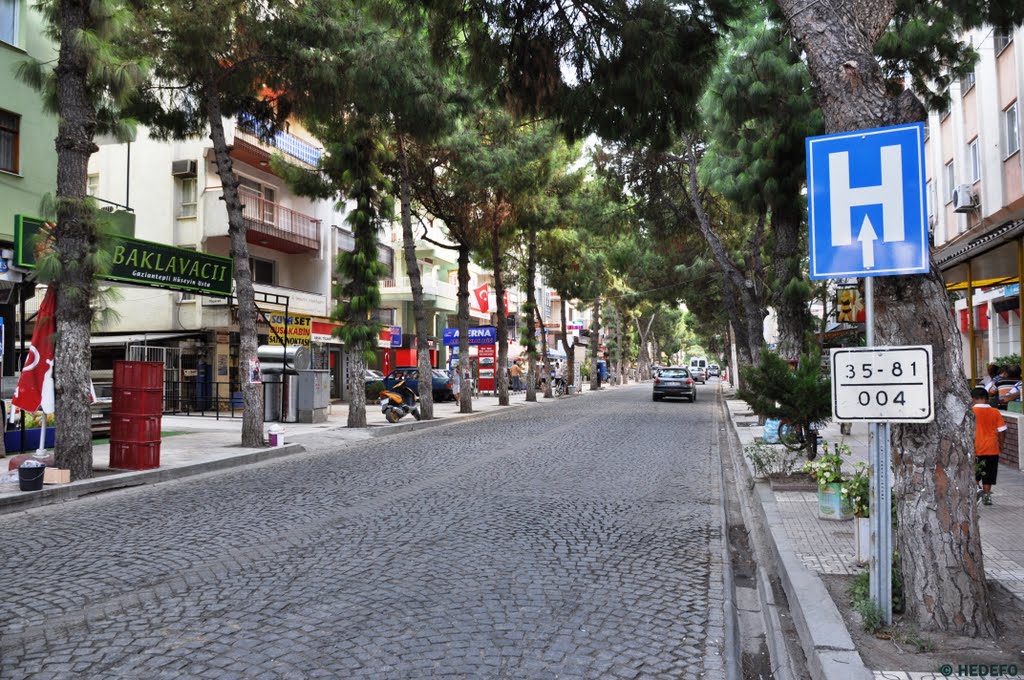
531,307
570,367
75,243
412,267
357,393
791,308
466,388
595,340
644,360
937,530
252,393
501,364
620,376
545,359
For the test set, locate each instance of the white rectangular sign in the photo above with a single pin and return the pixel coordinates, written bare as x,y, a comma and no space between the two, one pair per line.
883,384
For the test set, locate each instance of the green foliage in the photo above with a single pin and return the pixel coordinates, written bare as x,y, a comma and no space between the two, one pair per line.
373,389
801,396
1008,360
860,594
857,489
827,467
769,460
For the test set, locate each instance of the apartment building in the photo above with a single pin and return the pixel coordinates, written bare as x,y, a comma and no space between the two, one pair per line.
28,159
175,192
976,197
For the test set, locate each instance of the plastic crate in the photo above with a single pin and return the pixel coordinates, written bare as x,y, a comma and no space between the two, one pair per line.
127,429
137,402
134,455
138,374
12,439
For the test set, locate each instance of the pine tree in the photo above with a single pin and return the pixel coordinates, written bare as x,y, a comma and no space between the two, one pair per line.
87,88
937,531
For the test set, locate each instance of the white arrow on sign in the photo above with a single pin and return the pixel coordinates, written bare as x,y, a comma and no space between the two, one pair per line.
867,240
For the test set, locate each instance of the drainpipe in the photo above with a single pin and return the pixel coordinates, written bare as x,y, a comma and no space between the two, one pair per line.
1020,290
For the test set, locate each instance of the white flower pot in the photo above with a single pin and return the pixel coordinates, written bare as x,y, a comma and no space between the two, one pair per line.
862,539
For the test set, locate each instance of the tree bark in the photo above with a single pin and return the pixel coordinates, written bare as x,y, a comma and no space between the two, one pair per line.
595,341
252,393
619,377
466,389
501,365
791,309
570,368
531,308
357,394
412,267
545,358
644,360
937,529
75,243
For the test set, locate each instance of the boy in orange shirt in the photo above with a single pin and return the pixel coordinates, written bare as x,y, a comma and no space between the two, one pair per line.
989,435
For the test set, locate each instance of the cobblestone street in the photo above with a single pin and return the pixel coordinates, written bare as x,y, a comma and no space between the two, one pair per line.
578,539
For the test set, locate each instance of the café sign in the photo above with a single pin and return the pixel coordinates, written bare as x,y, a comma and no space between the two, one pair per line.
135,261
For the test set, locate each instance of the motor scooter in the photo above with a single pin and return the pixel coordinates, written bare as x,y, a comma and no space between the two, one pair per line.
399,401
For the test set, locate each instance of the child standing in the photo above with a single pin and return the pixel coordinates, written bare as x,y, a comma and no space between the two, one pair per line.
989,435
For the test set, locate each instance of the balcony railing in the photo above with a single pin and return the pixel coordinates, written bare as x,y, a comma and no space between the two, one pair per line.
294,146
278,223
441,289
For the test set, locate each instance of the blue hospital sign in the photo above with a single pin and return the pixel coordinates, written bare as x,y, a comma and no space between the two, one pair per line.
866,203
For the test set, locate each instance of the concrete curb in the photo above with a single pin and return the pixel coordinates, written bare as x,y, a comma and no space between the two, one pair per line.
733,648
825,640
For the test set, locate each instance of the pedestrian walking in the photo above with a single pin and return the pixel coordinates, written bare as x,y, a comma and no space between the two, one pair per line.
456,383
989,437
517,377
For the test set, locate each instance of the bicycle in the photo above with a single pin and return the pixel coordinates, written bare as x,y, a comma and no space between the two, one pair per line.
558,387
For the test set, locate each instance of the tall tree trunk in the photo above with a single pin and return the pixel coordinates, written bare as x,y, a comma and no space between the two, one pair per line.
531,312
620,373
75,243
466,389
357,391
545,357
644,360
252,393
788,298
595,340
501,365
570,368
937,530
419,311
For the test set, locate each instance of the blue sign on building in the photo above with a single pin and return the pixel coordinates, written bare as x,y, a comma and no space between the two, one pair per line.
478,335
396,336
866,203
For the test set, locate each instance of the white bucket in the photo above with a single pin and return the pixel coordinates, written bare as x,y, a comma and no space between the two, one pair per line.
276,435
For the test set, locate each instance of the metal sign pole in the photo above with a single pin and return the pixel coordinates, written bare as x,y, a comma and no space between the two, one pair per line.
879,503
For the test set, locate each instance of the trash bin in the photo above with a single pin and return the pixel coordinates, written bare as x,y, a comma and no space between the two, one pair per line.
271,396
289,398
30,475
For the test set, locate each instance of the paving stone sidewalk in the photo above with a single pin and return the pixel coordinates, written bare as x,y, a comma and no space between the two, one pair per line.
827,546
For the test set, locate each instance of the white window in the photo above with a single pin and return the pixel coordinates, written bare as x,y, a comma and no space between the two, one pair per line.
1011,131
930,197
93,187
974,160
1002,39
967,83
189,189
950,177
9,21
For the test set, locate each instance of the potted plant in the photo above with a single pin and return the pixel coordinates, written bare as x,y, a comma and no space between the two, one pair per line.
827,470
857,490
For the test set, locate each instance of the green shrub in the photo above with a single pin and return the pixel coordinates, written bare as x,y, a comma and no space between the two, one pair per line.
373,389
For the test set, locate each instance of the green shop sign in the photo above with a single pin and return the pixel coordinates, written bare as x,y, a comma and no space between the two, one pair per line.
135,261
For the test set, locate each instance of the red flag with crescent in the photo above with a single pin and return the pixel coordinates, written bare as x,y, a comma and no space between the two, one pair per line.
483,301
35,386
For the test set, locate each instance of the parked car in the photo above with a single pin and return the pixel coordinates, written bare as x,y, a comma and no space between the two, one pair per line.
699,374
373,375
713,370
674,381
440,384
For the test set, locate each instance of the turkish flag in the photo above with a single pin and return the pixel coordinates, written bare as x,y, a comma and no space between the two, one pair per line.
35,386
483,300
504,297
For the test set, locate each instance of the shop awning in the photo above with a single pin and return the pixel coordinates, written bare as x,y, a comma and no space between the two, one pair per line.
138,338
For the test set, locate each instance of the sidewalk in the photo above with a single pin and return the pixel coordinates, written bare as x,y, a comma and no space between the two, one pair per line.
196,444
827,547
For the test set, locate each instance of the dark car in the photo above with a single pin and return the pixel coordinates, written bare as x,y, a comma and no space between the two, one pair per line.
674,381
441,385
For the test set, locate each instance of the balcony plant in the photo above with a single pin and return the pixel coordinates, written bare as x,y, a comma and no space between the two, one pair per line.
827,470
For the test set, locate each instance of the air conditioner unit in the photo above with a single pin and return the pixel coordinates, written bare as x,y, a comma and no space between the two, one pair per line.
184,168
963,199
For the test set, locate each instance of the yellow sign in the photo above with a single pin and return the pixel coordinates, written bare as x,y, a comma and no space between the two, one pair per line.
299,326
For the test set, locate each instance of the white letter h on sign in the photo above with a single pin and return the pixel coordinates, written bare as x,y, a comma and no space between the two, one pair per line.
889,194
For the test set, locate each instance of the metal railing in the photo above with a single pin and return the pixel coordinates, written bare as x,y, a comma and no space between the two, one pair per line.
273,219
211,400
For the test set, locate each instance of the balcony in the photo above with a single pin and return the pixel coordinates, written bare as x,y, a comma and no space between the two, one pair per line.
439,295
275,226
250,133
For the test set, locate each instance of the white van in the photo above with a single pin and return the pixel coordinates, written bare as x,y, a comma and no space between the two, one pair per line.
699,369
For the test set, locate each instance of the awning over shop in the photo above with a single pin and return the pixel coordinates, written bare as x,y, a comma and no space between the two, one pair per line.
136,338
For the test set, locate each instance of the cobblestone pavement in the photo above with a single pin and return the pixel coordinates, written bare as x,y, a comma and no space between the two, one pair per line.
579,540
